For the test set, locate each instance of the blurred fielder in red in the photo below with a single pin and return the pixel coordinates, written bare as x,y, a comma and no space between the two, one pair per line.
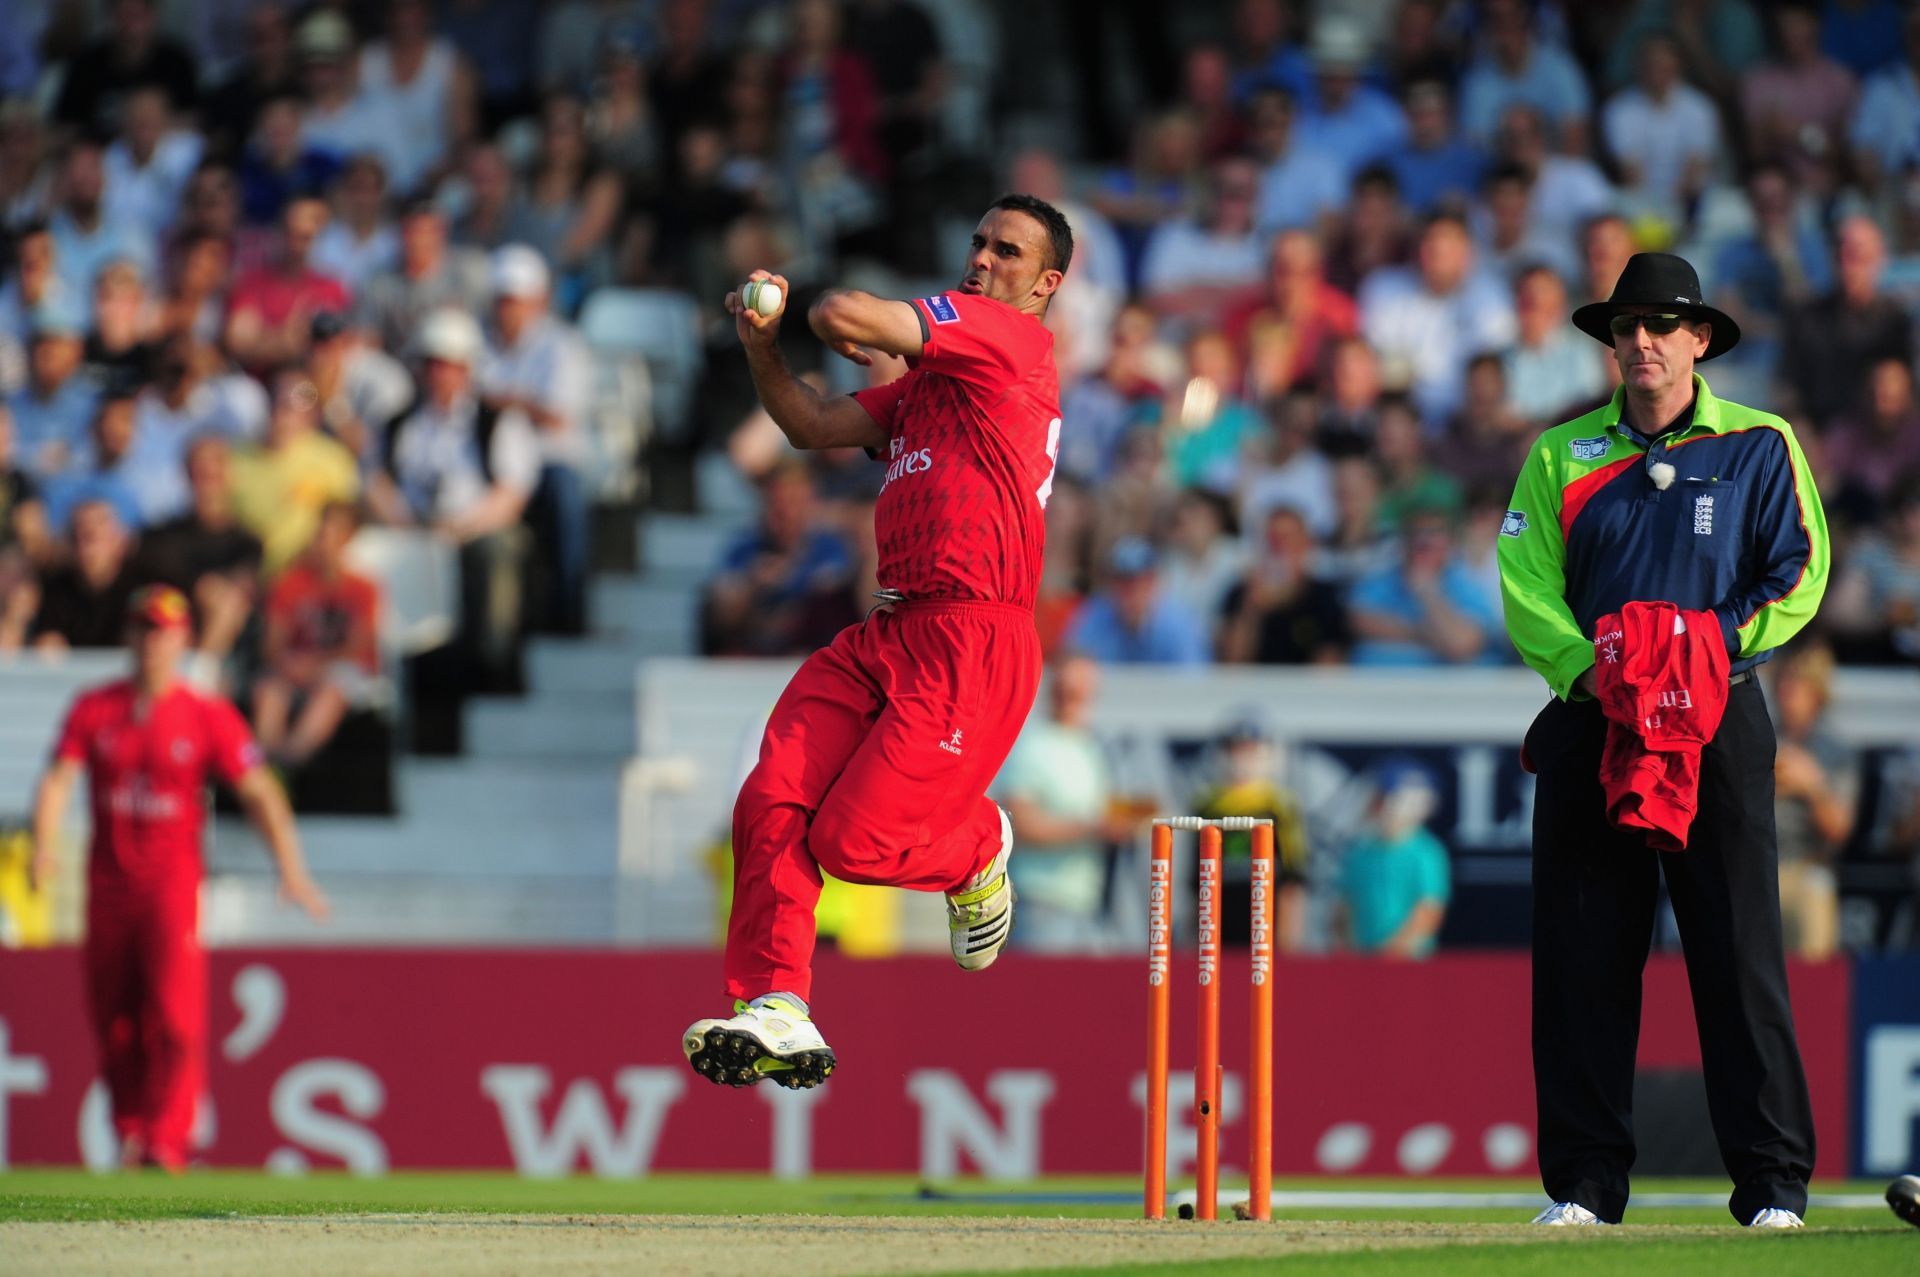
148,744
876,762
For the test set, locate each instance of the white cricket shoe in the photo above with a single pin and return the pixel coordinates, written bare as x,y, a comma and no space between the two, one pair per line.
1568,1215
769,1038
1775,1217
980,914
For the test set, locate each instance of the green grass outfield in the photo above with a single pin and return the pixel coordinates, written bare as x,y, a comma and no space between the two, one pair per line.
1856,1243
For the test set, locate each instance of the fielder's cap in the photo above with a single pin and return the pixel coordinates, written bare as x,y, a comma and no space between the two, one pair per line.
1665,282
452,336
519,271
160,607
58,317
324,37
1132,556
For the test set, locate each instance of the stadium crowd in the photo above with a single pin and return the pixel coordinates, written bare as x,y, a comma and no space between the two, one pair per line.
1319,307
275,271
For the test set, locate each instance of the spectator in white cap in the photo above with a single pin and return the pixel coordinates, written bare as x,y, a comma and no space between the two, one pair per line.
466,469
1349,118
539,365
337,120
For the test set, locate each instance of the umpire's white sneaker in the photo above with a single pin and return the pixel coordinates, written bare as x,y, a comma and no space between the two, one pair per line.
1567,1215
980,914
1775,1217
769,1037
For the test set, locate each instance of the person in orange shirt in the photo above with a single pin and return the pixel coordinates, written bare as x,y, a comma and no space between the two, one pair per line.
319,649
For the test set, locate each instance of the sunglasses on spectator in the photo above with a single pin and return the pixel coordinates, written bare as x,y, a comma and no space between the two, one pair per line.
1658,325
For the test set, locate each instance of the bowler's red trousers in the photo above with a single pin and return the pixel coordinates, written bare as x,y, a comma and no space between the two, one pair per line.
875,767
147,986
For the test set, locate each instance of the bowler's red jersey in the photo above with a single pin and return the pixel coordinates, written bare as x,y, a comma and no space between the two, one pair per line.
973,430
147,768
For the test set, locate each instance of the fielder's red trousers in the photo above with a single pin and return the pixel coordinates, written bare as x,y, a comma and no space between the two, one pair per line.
147,986
875,767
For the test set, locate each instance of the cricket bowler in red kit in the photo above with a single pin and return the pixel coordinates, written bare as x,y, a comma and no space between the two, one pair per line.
148,745
876,760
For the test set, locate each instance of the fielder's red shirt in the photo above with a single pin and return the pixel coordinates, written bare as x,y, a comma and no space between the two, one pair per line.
147,768
973,431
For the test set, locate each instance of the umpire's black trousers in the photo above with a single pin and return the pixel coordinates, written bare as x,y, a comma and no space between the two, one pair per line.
1595,891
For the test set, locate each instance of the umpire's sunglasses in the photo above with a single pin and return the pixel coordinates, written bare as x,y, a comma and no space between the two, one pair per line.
1658,325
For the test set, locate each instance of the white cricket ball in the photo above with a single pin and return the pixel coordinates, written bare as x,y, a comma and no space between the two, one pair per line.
1661,472
760,295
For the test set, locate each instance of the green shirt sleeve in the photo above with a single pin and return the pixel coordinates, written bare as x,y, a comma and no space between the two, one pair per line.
1533,582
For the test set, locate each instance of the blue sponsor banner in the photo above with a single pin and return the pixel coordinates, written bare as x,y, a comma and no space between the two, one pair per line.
1886,1063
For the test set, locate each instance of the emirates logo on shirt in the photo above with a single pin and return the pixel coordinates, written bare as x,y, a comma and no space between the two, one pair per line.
137,800
901,461
1678,698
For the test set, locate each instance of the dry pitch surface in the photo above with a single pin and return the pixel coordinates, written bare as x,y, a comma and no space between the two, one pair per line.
698,1245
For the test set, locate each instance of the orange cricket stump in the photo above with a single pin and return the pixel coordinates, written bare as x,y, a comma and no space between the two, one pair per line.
1206,1056
1209,1073
1260,1030
1159,992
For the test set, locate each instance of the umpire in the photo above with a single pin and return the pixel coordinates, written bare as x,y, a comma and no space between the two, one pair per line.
1666,493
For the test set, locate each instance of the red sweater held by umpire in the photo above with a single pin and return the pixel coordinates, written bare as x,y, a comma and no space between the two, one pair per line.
1661,676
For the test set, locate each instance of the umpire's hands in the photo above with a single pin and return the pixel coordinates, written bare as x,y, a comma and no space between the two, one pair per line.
753,328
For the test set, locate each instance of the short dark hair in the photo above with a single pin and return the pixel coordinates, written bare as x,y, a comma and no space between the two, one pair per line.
1501,174
1059,234
1535,266
1377,176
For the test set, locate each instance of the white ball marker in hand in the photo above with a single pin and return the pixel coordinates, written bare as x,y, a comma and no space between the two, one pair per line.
761,296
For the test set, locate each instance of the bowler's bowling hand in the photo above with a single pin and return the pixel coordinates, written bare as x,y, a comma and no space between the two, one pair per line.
749,325
301,891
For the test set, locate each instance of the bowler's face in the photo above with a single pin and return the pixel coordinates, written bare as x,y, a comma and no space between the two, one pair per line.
1008,259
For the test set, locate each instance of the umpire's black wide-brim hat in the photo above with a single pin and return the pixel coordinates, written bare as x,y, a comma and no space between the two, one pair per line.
1666,281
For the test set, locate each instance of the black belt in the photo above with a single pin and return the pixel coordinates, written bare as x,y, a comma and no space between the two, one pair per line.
1744,676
